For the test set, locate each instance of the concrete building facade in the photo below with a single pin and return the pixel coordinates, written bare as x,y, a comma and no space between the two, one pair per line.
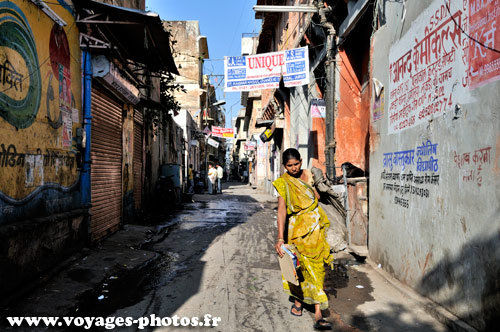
410,91
190,51
435,154
41,208
71,134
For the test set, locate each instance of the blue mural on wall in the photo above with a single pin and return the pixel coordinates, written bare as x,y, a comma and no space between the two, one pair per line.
16,34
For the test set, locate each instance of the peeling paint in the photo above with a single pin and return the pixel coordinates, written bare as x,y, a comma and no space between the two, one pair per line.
427,258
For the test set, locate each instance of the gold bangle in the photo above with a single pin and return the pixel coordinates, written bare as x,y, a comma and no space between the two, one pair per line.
281,240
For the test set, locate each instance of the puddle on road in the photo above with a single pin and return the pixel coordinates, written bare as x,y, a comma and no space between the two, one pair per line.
199,224
130,287
348,288
127,288
214,214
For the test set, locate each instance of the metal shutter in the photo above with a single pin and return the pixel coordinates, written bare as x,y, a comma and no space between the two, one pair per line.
106,174
138,148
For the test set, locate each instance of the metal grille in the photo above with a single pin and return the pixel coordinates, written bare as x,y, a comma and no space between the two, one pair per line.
106,174
138,148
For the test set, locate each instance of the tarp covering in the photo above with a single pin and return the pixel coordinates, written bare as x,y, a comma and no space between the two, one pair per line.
139,35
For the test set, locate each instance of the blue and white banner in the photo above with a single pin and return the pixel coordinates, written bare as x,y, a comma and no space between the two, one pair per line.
264,71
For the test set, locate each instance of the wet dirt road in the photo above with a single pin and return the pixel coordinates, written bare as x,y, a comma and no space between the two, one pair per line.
217,258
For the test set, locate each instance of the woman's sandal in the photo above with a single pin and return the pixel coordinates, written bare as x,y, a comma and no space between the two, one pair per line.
322,324
297,309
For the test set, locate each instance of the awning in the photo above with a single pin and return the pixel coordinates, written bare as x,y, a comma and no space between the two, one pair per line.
138,35
151,104
263,123
355,13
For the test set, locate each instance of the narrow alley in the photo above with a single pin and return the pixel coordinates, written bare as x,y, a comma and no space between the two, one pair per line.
216,257
380,118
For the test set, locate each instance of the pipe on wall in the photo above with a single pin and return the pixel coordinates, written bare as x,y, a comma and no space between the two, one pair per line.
87,122
330,95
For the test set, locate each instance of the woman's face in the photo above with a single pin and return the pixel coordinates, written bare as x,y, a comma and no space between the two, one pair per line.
293,166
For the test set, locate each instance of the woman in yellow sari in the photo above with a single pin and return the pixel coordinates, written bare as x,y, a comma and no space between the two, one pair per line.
307,224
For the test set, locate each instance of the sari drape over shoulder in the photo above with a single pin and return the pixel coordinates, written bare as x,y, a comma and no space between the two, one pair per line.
307,224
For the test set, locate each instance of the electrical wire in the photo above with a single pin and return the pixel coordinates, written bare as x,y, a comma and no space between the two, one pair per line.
345,79
466,34
357,91
30,74
237,26
291,32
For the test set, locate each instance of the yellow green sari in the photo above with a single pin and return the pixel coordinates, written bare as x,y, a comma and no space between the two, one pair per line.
307,224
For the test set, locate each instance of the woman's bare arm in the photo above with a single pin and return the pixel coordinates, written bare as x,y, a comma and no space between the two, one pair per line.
281,225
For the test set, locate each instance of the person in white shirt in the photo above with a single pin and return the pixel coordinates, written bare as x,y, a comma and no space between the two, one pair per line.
212,176
220,175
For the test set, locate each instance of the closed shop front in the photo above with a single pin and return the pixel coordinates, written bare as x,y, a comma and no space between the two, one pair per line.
138,155
106,175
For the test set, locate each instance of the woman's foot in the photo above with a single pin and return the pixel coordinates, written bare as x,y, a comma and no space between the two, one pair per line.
296,309
321,324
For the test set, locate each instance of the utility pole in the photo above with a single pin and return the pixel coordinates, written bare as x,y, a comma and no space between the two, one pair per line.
330,65
205,122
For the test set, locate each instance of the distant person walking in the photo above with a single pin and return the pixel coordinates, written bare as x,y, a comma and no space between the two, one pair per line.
220,175
212,176
307,223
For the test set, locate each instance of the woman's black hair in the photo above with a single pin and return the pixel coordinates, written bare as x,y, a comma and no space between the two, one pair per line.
290,154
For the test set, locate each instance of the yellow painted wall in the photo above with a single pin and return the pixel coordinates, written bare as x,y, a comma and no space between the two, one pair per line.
38,121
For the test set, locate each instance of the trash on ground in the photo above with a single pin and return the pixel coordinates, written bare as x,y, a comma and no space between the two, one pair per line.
359,286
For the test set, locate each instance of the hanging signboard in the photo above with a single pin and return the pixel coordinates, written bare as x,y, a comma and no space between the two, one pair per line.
103,68
268,133
213,143
223,132
318,108
207,131
250,147
264,71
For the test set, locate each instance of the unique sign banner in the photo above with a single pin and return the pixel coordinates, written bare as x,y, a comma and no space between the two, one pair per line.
223,132
264,71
